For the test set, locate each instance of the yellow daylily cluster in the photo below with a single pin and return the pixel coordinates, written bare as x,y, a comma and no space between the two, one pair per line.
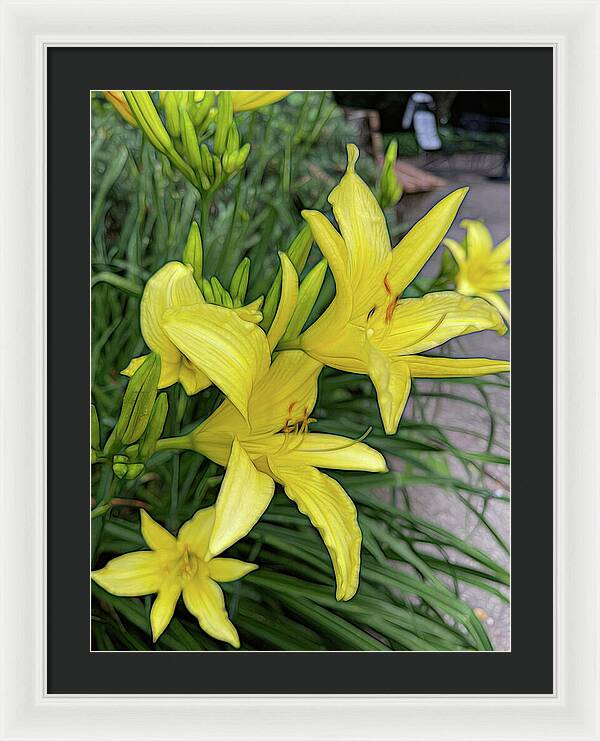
369,328
260,432
482,269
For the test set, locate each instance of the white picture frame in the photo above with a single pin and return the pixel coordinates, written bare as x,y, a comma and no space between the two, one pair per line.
572,28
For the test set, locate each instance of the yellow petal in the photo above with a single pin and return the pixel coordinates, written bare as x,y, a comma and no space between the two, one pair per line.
233,353
204,599
173,285
229,569
132,575
496,300
479,239
287,389
328,451
422,366
287,301
169,371
419,324
335,252
251,312
342,347
364,231
155,535
164,607
249,100
192,379
333,513
195,533
391,378
413,250
244,496
502,251
457,250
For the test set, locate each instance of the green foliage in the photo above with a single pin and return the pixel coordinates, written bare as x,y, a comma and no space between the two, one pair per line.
413,570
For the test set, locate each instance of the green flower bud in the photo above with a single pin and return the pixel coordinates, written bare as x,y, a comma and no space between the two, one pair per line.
233,139
239,282
223,121
120,470
133,470
148,120
95,429
242,156
208,292
138,401
155,427
208,167
189,139
308,293
390,190
200,111
169,103
193,252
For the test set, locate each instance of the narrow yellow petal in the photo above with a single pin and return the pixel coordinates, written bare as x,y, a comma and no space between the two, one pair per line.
364,231
328,451
169,371
419,324
423,366
333,513
195,533
392,381
132,575
204,599
163,608
288,390
457,250
155,535
479,239
249,100
413,250
335,252
496,300
229,569
233,353
244,496
287,301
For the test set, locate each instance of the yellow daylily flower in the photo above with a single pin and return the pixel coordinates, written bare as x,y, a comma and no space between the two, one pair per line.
175,566
274,445
368,328
200,343
482,270
248,100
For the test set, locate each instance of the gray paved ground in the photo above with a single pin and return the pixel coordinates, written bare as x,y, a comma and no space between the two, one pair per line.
490,200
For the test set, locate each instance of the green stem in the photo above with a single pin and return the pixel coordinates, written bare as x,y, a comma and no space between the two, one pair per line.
183,442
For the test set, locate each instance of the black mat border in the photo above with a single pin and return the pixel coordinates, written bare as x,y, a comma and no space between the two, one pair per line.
528,73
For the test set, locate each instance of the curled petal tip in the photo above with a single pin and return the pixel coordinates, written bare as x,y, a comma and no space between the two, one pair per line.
353,155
